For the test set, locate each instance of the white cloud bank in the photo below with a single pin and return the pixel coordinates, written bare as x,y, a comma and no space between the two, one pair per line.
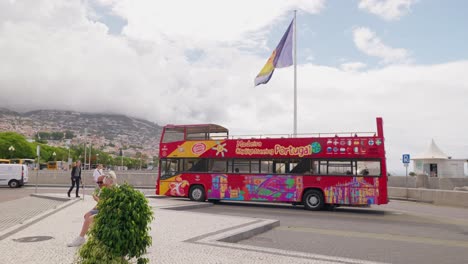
369,43
353,66
55,57
387,9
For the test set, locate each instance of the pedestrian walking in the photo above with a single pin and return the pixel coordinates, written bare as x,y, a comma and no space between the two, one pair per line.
75,178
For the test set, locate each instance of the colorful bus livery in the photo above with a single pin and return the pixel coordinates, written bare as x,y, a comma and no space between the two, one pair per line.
202,162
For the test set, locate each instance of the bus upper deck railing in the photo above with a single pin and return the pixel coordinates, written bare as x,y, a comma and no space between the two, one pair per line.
302,135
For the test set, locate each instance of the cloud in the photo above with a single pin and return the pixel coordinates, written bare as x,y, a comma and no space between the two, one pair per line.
225,21
387,9
369,43
55,56
353,66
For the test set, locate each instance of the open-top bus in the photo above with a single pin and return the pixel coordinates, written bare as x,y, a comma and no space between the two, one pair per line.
203,162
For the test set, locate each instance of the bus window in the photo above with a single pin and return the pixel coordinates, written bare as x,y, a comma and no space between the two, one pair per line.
280,166
241,166
368,167
171,135
169,168
218,165
266,166
335,167
340,167
197,136
254,166
188,164
300,166
195,165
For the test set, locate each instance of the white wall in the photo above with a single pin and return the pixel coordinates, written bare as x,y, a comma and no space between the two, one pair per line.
451,169
445,168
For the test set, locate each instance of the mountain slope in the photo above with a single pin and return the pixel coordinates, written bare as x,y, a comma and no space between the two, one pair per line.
103,130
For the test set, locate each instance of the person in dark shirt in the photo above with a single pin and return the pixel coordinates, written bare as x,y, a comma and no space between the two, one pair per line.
75,178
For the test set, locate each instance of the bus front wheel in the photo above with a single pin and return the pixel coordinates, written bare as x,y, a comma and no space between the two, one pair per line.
313,200
197,193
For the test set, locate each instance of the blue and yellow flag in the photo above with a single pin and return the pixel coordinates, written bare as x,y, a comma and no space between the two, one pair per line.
281,57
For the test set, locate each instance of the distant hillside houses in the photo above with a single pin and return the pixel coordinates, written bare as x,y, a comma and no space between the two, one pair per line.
107,132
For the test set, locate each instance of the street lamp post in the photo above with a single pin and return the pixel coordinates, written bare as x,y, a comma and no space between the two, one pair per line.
55,159
97,159
68,147
11,149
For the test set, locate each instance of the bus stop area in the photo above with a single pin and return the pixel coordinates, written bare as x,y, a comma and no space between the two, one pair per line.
178,236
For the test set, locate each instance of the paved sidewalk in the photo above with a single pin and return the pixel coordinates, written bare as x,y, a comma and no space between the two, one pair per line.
19,211
178,237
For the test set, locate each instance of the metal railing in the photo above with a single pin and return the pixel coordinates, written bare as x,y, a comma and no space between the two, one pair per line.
304,135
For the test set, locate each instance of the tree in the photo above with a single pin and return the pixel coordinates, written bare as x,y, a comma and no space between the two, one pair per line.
43,135
23,149
38,139
120,232
69,134
56,135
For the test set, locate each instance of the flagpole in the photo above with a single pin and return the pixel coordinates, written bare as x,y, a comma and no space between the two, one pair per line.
295,77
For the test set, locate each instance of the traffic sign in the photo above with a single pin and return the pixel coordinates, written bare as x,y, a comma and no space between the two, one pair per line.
406,158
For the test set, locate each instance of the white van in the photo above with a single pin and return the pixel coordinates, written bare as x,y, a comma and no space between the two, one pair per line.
13,175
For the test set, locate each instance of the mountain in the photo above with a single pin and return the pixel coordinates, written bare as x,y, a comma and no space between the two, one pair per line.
107,131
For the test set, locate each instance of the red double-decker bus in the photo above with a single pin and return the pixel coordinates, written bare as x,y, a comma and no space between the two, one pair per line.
203,162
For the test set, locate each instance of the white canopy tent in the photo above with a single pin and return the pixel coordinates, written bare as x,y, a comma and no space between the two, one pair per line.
435,163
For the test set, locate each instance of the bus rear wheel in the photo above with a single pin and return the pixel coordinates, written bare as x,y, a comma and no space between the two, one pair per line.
197,193
313,200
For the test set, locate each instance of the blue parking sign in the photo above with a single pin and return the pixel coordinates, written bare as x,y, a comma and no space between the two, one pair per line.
406,158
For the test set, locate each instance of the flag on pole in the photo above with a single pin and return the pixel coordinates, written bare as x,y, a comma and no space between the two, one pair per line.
281,57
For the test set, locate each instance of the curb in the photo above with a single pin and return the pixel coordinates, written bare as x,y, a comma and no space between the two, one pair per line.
187,206
237,233
16,228
154,196
265,226
410,200
56,198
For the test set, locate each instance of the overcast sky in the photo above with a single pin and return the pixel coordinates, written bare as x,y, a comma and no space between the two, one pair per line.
195,62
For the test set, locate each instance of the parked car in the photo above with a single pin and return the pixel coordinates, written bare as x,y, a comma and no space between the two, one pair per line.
13,175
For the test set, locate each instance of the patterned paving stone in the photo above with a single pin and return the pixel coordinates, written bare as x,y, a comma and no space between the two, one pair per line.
17,211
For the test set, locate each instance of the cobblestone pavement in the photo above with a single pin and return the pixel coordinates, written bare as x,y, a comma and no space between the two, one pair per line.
178,237
17,211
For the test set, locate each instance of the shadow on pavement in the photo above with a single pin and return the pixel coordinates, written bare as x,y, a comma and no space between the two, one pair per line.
287,206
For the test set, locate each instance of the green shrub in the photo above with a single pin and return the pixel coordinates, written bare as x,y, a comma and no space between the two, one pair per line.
120,232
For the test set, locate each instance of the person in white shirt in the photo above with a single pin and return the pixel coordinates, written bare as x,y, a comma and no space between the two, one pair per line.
97,172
